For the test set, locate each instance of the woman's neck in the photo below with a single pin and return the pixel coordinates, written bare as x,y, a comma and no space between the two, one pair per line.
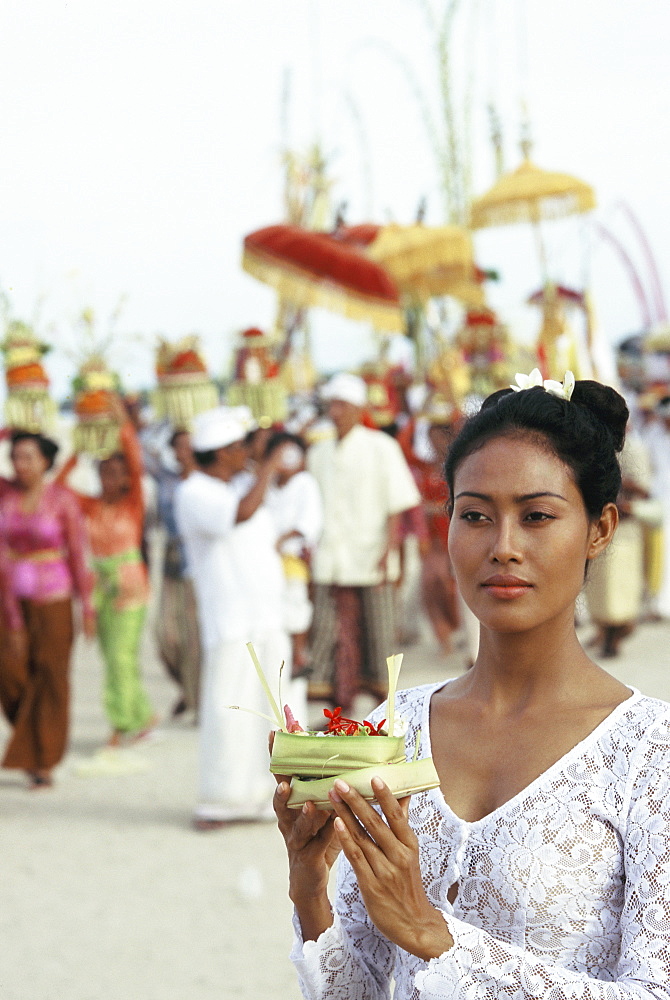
519,668
30,495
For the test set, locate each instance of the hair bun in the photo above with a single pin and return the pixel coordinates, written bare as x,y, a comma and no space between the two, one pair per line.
606,404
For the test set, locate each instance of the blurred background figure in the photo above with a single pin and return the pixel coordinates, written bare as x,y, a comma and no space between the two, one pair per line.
177,632
295,503
438,588
616,582
42,566
365,485
115,525
658,441
230,540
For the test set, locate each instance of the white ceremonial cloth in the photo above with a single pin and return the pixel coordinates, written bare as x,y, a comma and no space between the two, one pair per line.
363,479
562,891
239,585
234,779
297,506
237,572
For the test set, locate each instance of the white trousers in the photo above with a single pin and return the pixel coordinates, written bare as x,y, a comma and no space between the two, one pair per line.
234,780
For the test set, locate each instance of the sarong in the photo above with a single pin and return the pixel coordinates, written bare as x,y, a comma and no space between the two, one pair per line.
352,634
178,637
119,629
35,688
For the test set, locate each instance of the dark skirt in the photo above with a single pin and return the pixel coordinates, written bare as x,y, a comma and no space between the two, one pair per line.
35,687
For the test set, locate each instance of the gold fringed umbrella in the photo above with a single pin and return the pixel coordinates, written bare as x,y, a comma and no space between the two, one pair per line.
530,194
425,261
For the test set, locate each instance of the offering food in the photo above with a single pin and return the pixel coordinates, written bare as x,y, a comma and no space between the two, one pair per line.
184,387
355,751
28,406
95,390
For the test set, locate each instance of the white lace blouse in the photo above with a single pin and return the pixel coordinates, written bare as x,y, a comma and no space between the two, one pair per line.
564,891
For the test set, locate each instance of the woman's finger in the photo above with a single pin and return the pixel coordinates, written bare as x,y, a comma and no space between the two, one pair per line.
396,812
364,826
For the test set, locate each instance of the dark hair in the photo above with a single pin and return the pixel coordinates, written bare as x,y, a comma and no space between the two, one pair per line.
48,449
585,432
205,458
284,437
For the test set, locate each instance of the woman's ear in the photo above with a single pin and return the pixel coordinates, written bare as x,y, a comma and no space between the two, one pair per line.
602,530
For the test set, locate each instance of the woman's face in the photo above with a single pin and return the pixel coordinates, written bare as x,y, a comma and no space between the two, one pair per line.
29,463
520,536
114,478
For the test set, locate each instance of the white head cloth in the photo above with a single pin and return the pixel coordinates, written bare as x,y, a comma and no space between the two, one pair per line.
346,387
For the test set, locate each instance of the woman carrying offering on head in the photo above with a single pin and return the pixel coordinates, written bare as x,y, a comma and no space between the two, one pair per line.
115,521
42,567
539,868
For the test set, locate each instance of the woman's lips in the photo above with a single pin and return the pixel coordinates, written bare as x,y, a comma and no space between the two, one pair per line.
506,587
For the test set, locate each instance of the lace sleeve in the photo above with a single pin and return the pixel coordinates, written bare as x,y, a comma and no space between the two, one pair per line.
351,960
479,967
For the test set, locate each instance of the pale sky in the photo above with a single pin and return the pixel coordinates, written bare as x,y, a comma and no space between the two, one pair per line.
141,141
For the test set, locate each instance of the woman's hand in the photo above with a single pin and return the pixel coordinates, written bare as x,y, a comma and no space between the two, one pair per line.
385,859
312,849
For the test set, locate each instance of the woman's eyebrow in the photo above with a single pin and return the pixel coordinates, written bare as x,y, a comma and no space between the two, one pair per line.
519,499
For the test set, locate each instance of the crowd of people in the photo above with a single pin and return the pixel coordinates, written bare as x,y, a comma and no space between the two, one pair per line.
294,537
537,868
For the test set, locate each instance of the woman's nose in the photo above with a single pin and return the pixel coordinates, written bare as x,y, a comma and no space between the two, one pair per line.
506,545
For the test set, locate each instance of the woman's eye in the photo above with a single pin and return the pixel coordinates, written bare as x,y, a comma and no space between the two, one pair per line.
539,515
472,515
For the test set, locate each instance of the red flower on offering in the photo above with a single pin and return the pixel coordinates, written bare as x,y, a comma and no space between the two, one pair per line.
372,729
341,726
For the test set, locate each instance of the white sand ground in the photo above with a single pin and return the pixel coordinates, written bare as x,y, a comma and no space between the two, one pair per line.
106,893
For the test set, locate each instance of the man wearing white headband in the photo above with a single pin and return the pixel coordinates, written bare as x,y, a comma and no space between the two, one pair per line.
365,485
230,544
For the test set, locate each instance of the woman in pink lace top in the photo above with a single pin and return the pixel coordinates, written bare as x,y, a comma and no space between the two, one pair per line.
42,566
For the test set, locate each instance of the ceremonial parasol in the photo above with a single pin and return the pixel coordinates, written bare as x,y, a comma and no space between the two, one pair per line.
316,269
530,194
424,261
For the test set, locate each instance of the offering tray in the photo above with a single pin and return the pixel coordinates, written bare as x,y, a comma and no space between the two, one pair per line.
321,756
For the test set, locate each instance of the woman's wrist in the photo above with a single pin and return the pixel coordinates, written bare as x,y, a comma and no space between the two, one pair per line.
433,939
315,915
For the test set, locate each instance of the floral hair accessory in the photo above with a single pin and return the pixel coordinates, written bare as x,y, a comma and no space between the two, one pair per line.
561,389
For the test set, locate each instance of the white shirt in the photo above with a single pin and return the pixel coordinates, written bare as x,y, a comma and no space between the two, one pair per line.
236,570
297,506
363,479
562,891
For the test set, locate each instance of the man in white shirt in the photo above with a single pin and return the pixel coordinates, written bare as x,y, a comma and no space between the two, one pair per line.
365,485
230,544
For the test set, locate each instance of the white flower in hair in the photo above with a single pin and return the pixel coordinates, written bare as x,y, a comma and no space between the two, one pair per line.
527,381
561,389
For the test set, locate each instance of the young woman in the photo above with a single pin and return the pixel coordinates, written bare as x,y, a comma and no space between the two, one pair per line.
540,867
114,521
42,567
